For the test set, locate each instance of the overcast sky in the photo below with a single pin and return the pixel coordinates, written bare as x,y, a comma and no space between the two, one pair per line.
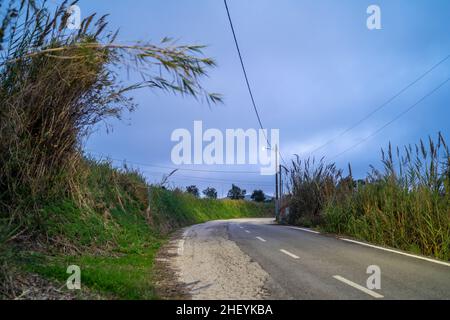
315,69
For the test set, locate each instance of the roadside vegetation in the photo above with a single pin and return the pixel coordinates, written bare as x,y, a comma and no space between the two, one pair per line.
405,205
57,206
115,235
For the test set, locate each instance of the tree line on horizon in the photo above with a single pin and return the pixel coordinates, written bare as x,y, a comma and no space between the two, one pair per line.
235,193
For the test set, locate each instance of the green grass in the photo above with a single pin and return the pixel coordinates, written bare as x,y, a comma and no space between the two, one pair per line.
128,276
115,255
178,209
113,237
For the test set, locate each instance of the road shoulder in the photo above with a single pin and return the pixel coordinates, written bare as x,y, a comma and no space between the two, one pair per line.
206,264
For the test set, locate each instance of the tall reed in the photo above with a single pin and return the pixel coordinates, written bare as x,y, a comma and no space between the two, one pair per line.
404,205
57,84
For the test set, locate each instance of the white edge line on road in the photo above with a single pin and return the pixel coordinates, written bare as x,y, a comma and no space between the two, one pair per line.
304,229
399,252
289,254
357,286
261,239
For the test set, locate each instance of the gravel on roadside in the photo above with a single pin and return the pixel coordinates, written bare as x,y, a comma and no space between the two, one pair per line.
208,265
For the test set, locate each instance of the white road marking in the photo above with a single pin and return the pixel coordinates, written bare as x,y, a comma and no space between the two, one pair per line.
181,247
260,239
289,254
304,229
399,252
247,231
241,227
357,286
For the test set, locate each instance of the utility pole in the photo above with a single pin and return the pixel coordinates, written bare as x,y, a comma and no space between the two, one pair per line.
281,182
276,172
277,209
277,183
281,167
280,201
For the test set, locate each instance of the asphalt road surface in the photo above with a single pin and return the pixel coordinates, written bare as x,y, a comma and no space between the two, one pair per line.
293,263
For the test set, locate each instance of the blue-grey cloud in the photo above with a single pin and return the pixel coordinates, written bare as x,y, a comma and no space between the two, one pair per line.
315,69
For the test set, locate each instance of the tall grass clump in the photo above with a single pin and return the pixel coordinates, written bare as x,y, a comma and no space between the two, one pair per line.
404,205
312,185
56,85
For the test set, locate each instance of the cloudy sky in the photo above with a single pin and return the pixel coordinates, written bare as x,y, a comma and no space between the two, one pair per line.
315,70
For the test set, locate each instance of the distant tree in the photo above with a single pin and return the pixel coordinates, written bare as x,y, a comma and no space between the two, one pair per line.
193,190
258,196
236,193
210,193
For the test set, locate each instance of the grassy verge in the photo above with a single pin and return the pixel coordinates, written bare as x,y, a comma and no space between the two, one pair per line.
113,234
405,205
386,214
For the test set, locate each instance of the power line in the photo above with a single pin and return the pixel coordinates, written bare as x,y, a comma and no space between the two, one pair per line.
206,179
381,106
245,72
195,178
203,179
392,120
246,78
173,168
220,182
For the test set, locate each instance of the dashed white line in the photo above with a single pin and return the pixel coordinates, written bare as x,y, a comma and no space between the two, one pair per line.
357,286
261,239
304,229
247,231
399,252
290,254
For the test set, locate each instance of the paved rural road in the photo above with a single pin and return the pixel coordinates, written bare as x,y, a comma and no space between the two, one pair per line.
257,259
